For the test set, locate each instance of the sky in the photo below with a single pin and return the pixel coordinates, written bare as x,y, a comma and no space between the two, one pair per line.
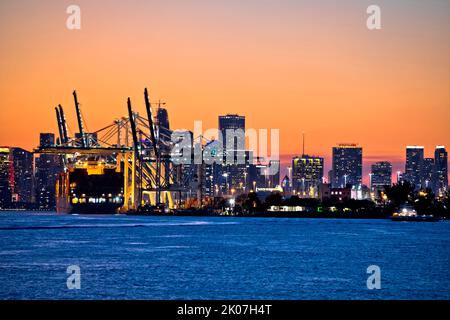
297,66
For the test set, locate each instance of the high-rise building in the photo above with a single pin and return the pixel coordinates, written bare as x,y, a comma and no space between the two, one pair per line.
232,122
165,134
162,118
307,175
275,178
185,160
266,174
221,178
47,169
428,173
16,173
23,175
252,173
381,175
260,178
46,139
233,178
237,178
213,170
414,165
347,166
441,169
212,178
5,170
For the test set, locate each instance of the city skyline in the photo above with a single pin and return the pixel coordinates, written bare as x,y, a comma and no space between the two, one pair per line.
289,66
28,182
225,158
286,161
398,164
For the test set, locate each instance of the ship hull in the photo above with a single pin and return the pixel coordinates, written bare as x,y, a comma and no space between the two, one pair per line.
90,190
63,207
416,218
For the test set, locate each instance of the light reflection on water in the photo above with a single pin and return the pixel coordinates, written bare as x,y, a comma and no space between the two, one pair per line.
220,257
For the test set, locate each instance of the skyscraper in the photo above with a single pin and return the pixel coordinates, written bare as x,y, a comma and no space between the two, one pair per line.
233,173
260,177
212,169
307,174
165,134
274,179
16,177
381,175
232,122
162,118
5,169
47,169
441,169
347,165
414,165
23,175
428,173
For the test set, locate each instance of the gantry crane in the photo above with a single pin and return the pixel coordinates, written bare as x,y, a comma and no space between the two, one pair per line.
150,177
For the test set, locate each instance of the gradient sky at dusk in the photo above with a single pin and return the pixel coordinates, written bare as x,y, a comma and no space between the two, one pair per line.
298,66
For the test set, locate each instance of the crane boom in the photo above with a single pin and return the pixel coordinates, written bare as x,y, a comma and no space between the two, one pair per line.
150,122
80,120
65,138
58,119
133,127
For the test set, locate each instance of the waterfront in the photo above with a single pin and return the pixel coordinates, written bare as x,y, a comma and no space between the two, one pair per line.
130,257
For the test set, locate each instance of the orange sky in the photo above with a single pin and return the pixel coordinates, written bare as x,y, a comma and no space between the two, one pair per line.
298,66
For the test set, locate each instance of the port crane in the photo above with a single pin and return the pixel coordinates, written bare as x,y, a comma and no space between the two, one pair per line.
137,147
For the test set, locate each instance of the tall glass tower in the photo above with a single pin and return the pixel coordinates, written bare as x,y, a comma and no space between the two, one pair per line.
441,168
347,166
414,165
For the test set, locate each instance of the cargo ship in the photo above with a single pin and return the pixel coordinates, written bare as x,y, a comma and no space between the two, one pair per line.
90,185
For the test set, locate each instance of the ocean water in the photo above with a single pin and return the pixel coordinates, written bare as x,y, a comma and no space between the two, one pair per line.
125,257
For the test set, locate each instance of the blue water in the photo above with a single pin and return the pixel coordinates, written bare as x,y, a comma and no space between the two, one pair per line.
124,257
